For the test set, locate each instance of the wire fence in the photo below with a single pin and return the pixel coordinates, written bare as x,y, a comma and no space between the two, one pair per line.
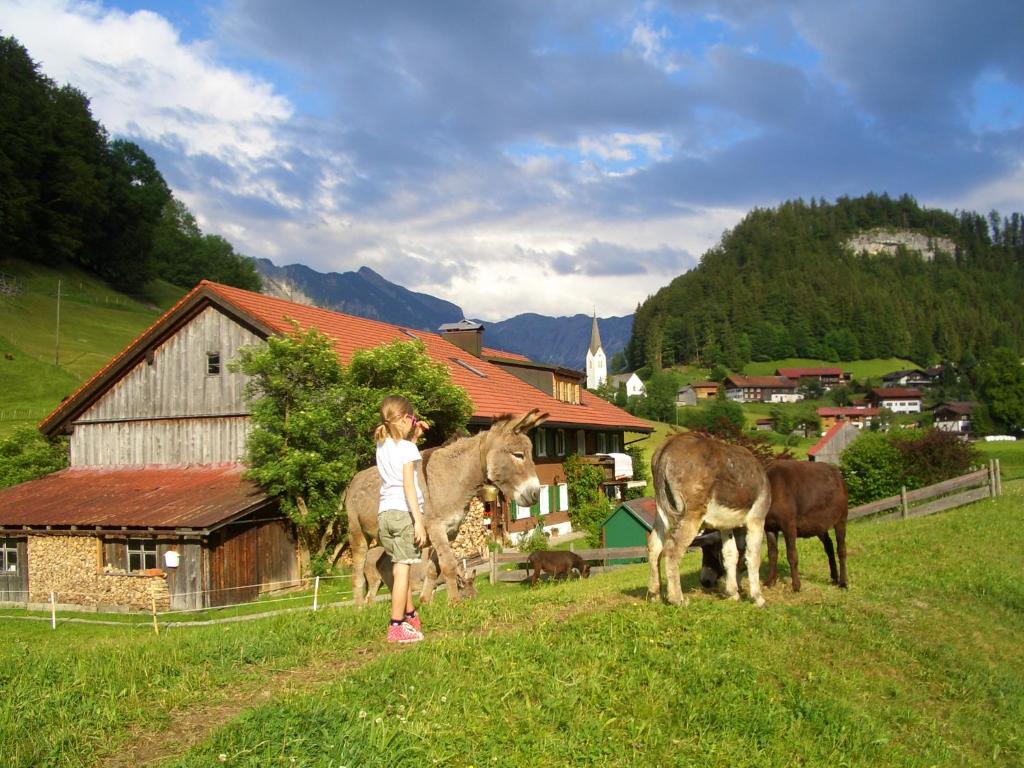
23,414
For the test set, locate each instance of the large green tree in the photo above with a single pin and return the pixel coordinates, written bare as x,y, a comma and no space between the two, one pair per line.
1001,385
26,454
313,420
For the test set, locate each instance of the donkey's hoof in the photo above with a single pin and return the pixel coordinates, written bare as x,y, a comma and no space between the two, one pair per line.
759,602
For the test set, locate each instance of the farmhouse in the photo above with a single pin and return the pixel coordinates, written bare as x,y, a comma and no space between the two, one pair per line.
768,389
827,377
832,444
896,399
913,378
697,391
154,505
954,416
858,417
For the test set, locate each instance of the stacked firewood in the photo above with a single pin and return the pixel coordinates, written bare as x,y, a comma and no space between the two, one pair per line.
473,534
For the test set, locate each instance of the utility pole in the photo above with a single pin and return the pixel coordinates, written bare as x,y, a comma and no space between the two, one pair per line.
56,355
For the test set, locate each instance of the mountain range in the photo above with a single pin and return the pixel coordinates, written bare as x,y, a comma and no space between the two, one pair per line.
556,340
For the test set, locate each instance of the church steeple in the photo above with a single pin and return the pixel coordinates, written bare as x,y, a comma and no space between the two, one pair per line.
595,336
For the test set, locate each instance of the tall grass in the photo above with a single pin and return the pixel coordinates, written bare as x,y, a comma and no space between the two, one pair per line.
918,663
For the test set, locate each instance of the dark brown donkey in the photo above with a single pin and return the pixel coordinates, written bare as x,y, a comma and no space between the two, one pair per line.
808,498
702,481
454,473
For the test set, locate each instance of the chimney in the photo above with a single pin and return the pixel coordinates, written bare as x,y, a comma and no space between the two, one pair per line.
465,335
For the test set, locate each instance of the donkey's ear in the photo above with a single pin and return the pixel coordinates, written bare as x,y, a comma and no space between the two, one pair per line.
528,421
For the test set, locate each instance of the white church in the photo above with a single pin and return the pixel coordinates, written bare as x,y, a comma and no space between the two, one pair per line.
597,364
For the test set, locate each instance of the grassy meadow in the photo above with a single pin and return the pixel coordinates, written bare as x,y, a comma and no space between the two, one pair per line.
96,322
917,664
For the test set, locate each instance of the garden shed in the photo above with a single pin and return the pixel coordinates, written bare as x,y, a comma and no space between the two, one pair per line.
628,526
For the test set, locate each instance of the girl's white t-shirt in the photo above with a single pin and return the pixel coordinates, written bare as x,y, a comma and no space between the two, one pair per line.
392,455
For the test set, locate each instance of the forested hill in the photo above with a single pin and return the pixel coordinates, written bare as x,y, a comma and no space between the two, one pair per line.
71,195
788,282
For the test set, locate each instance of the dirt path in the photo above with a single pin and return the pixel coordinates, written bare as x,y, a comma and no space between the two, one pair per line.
192,726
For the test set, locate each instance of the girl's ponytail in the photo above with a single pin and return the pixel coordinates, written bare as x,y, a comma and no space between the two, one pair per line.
392,410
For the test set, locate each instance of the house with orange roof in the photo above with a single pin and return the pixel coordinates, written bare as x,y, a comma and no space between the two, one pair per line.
827,376
858,417
756,389
696,392
896,399
154,503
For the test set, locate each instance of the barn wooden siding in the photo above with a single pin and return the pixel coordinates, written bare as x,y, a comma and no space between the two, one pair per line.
186,583
243,557
168,409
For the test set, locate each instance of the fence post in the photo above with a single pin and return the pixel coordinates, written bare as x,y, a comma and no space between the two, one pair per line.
999,479
991,478
53,610
316,592
572,546
494,568
903,501
152,603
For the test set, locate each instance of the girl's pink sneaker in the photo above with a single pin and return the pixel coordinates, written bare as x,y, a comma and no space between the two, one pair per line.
403,633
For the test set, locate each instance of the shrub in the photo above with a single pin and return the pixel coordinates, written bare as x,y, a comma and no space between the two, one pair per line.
872,468
26,454
933,455
534,540
588,506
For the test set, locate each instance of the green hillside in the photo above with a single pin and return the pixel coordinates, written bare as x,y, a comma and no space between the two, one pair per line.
96,322
786,282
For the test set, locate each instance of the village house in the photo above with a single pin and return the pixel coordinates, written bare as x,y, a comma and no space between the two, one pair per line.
954,416
858,417
828,377
896,399
914,378
758,389
696,392
830,447
154,507
634,384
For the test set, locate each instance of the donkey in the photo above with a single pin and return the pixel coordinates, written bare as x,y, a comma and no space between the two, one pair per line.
808,498
379,569
700,480
453,474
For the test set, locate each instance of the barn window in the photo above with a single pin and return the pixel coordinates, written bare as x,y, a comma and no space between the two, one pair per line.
213,363
8,556
141,554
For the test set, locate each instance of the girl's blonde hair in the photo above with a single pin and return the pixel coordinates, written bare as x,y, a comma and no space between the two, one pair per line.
392,410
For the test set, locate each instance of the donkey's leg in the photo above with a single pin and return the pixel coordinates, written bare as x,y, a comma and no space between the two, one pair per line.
678,542
841,546
792,556
654,549
830,553
446,560
773,558
730,558
755,533
359,547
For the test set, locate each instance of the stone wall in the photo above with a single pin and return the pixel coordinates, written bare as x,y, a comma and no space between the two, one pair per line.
72,568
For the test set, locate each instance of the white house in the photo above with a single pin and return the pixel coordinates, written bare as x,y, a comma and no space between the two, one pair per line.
634,385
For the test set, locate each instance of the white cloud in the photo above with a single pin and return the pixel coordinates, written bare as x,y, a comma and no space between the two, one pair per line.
648,42
144,81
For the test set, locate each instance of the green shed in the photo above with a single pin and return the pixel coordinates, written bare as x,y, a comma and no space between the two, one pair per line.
628,526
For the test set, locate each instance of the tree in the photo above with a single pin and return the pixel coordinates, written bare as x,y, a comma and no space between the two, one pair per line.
1001,385
872,468
26,454
660,403
588,506
313,420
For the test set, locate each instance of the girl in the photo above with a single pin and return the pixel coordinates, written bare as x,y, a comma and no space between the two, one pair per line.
399,517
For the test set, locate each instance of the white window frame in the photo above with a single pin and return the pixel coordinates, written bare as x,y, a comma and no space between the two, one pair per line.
563,497
545,500
144,550
540,443
602,442
559,442
9,562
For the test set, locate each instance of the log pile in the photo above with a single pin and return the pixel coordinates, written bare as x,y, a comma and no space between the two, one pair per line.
473,536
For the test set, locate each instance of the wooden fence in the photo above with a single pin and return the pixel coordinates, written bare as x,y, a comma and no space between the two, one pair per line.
980,484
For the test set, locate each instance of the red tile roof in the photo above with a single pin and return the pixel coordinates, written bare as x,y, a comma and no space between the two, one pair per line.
775,382
165,497
490,352
849,411
893,393
492,390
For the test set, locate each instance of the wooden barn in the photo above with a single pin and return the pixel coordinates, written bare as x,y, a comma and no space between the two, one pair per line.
154,503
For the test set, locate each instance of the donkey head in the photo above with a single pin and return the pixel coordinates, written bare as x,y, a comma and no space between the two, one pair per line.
507,457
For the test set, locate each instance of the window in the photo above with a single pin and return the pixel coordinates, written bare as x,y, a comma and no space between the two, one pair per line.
540,442
602,442
213,363
559,442
141,554
8,556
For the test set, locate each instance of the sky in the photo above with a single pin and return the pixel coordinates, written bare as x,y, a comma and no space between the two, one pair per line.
557,156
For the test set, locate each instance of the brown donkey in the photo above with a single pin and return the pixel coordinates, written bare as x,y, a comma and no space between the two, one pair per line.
699,480
454,473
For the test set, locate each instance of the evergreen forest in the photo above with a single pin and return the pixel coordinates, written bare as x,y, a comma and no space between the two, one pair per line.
783,283
70,194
